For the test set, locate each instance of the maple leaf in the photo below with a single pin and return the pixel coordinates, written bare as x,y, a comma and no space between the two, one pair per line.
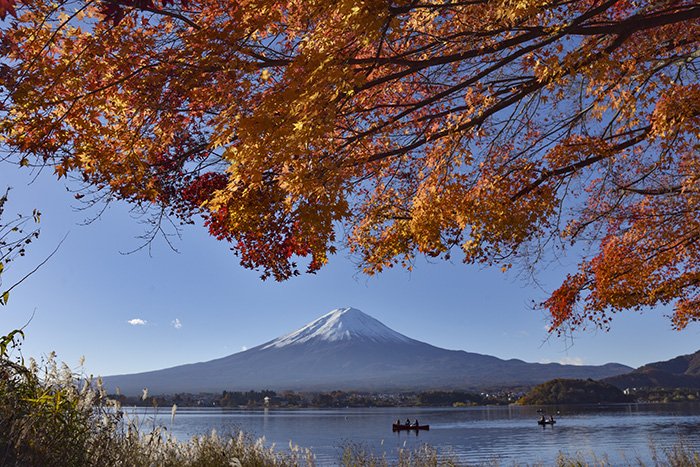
7,7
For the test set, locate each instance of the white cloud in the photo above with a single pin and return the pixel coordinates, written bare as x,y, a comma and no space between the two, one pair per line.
571,361
176,323
244,348
565,361
137,322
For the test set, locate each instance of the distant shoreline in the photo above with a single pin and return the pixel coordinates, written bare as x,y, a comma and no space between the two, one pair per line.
343,399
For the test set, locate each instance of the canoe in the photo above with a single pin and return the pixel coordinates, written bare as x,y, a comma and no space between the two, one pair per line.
395,427
546,422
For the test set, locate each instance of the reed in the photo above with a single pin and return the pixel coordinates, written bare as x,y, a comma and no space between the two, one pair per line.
51,415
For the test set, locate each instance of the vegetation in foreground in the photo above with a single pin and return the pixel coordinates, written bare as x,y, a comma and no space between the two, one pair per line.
52,417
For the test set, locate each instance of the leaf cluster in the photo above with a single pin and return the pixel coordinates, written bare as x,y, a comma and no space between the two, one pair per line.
501,132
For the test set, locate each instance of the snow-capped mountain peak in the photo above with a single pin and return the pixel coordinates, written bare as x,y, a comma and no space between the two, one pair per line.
338,325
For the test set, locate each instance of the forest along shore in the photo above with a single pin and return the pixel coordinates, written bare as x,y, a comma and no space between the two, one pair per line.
340,399
332,399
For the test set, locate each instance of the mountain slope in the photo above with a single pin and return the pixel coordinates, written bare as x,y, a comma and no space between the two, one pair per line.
347,349
679,372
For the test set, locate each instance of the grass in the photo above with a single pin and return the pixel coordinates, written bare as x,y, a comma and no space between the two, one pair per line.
680,455
52,416
357,455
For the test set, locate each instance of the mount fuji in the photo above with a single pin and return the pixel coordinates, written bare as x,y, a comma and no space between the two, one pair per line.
349,350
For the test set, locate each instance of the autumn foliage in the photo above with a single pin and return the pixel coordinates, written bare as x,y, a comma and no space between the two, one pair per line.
495,130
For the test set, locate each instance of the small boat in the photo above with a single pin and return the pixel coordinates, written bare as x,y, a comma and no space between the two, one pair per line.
546,422
402,427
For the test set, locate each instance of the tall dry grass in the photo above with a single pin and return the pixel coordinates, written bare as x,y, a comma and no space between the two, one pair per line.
51,416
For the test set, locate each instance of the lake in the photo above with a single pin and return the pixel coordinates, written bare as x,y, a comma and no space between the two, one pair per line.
622,433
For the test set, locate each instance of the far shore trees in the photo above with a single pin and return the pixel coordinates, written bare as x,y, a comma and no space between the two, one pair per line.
493,131
574,391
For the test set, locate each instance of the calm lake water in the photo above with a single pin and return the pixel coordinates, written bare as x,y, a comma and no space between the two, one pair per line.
509,435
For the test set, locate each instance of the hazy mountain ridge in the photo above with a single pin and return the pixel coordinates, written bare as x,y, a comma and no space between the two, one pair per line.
349,350
688,365
679,372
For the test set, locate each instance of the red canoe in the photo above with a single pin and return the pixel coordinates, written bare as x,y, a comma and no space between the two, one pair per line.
396,427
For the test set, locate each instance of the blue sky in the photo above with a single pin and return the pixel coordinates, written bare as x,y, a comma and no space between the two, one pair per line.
199,304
